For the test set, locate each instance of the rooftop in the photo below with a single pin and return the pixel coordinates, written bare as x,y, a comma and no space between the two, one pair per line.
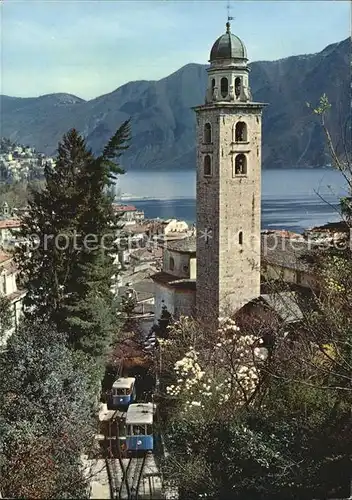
286,252
184,245
123,382
228,46
123,208
147,254
4,257
144,289
172,281
285,305
140,413
9,223
15,296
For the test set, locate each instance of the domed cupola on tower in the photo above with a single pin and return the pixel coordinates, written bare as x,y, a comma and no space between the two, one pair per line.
228,71
228,46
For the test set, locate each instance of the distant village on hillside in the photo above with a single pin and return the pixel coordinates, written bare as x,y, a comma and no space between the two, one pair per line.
21,163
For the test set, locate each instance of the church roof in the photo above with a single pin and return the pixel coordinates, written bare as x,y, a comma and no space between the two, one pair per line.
172,281
287,252
285,305
184,245
228,46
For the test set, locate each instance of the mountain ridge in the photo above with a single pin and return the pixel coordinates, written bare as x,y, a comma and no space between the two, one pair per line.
163,124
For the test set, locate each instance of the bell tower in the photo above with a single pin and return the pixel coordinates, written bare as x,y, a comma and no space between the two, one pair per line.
228,184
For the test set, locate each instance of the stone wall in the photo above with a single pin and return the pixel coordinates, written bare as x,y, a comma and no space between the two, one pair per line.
185,302
181,262
177,301
289,275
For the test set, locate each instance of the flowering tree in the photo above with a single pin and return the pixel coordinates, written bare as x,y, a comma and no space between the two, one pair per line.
225,372
243,425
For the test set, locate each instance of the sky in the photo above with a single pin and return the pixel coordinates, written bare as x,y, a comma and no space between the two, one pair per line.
89,48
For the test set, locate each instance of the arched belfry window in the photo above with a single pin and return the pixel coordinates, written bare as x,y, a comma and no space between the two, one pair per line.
240,164
212,84
238,86
224,87
207,133
241,132
171,264
207,166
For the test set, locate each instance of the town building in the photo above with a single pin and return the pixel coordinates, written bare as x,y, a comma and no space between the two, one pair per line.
228,138
175,284
8,289
8,229
128,214
286,262
287,259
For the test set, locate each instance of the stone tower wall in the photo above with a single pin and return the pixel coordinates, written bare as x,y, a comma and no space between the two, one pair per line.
228,269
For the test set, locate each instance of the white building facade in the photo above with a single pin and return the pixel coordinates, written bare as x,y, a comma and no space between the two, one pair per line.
175,285
8,289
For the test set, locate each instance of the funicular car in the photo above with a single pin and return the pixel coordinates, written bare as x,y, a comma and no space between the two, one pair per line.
123,393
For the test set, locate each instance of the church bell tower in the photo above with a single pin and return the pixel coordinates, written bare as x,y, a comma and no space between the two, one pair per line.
228,184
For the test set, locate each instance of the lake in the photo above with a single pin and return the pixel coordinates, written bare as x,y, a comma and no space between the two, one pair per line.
292,199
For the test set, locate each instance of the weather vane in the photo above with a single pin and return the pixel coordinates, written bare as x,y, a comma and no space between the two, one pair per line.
229,18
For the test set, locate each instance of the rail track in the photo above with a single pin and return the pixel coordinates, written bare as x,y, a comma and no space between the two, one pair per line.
124,480
136,477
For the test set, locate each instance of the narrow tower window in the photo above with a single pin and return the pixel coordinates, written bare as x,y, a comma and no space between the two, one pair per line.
241,132
224,86
207,133
207,166
212,85
240,238
171,264
240,164
237,86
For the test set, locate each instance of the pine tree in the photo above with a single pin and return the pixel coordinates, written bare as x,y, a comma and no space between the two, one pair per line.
5,317
67,266
160,329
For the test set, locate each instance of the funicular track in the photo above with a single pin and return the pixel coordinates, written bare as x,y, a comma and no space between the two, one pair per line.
135,476
125,475
125,481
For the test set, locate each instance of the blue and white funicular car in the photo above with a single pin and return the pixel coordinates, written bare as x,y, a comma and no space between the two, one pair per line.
139,427
123,392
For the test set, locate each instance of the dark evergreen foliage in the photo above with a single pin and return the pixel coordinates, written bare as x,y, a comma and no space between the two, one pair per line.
67,266
160,329
5,316
46,396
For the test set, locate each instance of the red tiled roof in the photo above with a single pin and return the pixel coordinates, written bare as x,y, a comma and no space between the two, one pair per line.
10,223
4,257
123,208
17,295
